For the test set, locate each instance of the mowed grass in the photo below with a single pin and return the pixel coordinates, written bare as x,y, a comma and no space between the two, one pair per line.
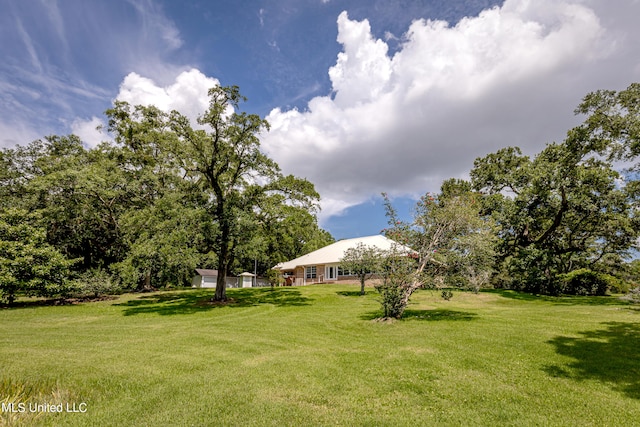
316,356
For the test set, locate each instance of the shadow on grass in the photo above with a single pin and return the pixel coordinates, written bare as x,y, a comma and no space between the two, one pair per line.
561,300
195,301
49,302
609,355
355,293
427,315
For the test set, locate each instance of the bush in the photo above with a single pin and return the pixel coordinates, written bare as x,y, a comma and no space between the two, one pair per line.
391,298
633,296
96,283
587,282
447,294
618,286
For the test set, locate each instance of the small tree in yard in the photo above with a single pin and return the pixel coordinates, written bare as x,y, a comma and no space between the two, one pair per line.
362,261
449,236
274,278
398,277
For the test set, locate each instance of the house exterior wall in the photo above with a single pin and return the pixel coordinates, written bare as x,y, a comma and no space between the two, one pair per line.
298,276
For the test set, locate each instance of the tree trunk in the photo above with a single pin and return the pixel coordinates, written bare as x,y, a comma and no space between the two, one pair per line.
362,285
221,281
147,281
408,291
223,261
221,285
223,248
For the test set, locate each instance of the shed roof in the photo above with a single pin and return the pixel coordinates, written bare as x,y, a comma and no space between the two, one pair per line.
334,252
205,272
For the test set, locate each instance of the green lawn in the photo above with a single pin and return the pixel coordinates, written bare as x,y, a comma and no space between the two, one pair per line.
315,356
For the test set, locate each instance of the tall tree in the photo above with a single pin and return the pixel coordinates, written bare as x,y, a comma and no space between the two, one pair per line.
561,211
612,124
571,206
78,193
164,228
279,232
224,157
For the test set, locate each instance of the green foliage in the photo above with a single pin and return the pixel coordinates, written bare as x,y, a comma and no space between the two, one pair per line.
241,182
28,264
362,261
163,198
399,278
567,208
277,232
165,243
452,238
391,297
94,284
631,273
274,277
446,294
634,295
586,282
612,125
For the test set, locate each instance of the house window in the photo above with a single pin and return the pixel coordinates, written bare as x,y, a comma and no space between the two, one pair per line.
342,272
311,272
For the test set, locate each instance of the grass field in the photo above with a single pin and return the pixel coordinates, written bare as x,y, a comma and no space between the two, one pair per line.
315,356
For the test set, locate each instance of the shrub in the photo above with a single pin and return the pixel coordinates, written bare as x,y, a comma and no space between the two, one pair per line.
96,283
447,294
633,296
391,298
586,282
618,286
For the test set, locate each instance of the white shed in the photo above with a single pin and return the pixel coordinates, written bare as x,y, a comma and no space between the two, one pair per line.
205,278
247,279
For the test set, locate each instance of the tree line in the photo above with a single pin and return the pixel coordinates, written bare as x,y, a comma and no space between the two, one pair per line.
565,221
164,197
167,195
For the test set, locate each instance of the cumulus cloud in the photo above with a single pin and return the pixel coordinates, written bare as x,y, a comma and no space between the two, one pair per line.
187,94
401,124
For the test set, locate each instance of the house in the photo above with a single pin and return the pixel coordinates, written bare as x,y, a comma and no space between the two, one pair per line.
323,265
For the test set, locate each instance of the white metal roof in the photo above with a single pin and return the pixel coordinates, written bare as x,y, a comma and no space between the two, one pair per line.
332,253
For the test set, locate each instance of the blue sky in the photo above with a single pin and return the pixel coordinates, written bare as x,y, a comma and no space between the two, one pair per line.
364,96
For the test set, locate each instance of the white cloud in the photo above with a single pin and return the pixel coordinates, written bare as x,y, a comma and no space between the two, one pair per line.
16,134
187,94
155,23
402,124
90,131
